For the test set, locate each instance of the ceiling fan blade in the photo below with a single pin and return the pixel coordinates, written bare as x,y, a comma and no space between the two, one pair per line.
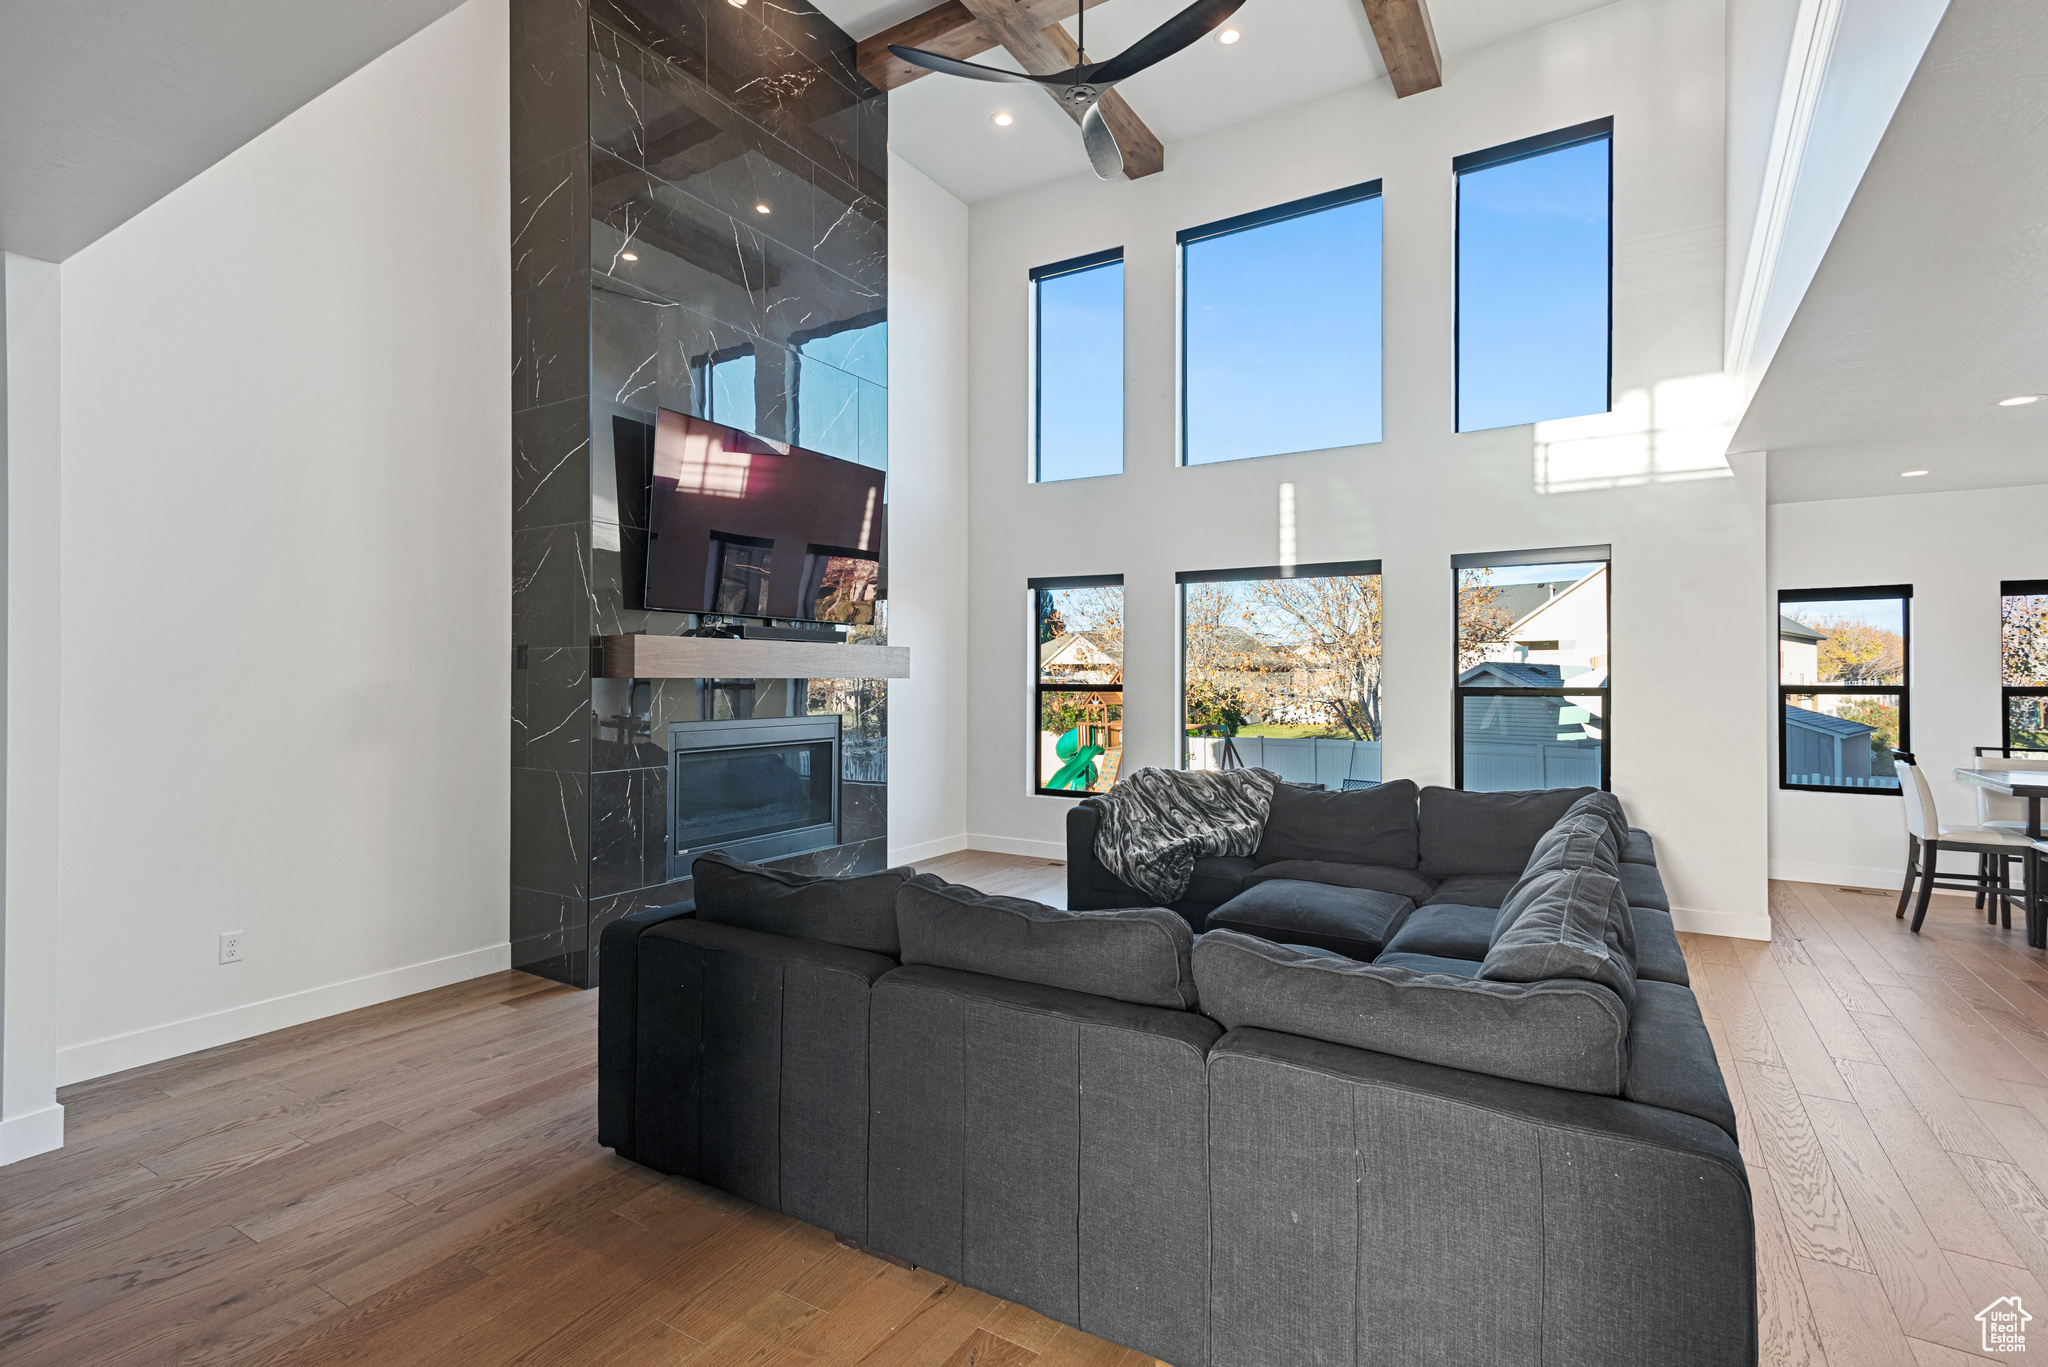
973,71
1162,42
1103,153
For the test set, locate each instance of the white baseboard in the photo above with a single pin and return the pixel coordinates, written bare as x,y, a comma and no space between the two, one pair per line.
118,1053
930,849
1736,925
1055,850
1840,875
25,1136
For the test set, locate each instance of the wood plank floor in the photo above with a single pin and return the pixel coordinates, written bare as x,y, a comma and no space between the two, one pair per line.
420,1182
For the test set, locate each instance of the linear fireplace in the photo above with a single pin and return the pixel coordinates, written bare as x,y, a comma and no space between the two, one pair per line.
758,789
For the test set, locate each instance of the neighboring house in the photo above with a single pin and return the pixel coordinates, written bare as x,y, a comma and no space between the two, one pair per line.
1560,625
1824,749
1526,721
1087,657
1798,652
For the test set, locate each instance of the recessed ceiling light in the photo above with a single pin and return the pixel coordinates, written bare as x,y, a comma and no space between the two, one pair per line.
737,4
763,209
1911,474
629,256
1228,36
1002,120
2016,400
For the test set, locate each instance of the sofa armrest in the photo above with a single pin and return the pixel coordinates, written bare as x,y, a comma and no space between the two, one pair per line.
1090,887
618,1020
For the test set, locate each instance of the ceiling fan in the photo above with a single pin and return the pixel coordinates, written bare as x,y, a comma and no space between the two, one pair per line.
1082,87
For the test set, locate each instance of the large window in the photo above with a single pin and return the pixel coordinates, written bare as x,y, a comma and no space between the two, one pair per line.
1077,367
1842,677
1532,669
1535,278
1280,670
1078,683
2023,632
1280,346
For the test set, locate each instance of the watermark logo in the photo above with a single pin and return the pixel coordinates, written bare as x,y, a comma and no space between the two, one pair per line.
2005,1325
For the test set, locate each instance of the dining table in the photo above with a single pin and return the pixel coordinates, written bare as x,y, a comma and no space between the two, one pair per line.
2031,785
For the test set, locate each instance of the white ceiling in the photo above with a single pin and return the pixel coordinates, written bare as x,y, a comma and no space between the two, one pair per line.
108,105
1932,301
1291,51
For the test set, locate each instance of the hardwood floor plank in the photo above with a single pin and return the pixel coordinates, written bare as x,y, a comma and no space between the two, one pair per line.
1786,1335
1930,1091
1945,1200
1806,1058
1855,1321
1919,1283
1735,1006
984,1349
1818,1224
944,1325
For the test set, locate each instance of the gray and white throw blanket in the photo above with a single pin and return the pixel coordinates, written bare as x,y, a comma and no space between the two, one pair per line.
1157,822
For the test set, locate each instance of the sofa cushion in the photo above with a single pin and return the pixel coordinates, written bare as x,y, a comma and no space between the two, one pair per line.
857,912
1445,930
1607,808
1137,954
1644,886
1487,832
1639,848
1378,877
1658,957
1449,965
1671,1056
1573,923
1218,878
1578,841
1563,1032
1474,890
1355,922
1363,826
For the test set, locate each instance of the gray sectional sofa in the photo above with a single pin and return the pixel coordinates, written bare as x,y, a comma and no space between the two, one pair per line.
1493,1132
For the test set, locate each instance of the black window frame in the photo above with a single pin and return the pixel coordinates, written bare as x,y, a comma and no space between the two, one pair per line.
1260,218
1039,687
1902,690
1556,555
1325,569
1522,149
2015,588
1073,265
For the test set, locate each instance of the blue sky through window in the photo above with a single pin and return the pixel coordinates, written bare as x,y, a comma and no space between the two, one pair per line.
1533,282
1081,373
732,392
1283,335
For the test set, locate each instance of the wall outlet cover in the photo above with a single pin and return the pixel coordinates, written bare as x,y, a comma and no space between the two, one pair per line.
231,946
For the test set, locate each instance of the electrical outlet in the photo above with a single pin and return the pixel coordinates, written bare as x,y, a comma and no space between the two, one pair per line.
231,946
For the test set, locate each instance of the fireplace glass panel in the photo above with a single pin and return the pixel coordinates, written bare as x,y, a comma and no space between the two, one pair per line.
723,796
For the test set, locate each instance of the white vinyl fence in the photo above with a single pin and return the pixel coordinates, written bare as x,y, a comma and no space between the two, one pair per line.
1328,762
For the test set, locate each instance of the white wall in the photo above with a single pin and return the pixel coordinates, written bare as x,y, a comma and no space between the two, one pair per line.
31,941
286,570
928,602
1954,549
1689,631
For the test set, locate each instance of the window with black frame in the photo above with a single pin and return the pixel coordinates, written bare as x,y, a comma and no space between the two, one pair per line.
1077,367
1280,670
1844,657
1281,329
1532,670
2023,645
1077,683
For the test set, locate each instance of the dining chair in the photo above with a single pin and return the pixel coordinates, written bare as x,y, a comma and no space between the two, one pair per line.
1926,838
1996,810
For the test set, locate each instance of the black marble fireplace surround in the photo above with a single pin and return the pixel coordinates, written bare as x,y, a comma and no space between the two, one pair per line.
699,223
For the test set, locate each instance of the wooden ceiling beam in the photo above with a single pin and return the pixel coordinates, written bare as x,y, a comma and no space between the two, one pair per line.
951,30
1407,44
1043,50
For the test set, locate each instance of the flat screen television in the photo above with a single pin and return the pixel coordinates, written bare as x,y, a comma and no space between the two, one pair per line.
741,526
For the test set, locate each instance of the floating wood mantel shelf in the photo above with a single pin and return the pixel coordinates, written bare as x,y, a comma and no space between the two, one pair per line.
709,657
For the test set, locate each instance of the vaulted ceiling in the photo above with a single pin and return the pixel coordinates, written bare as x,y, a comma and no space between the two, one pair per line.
1289,51
108,105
